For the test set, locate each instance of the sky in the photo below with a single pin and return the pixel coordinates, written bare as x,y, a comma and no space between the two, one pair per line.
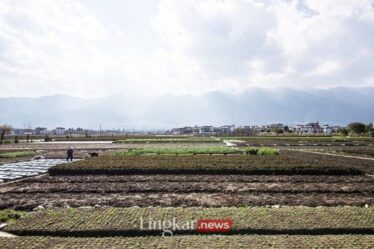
92,48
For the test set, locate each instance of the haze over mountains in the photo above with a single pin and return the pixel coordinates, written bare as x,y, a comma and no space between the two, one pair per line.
255,106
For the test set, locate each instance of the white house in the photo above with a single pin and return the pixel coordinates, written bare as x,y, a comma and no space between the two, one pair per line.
327,129
308,128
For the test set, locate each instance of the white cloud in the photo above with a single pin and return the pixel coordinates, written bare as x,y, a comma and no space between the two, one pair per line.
77,47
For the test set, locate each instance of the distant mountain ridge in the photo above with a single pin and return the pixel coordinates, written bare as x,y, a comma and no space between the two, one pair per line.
255,106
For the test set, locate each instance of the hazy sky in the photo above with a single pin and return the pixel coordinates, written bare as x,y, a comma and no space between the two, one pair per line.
94,47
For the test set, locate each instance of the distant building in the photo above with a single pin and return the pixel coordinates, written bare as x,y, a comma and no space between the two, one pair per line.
206,130
227,129
246,131
274,126
23,131
41,131
60,131
327,129
183,130
308,128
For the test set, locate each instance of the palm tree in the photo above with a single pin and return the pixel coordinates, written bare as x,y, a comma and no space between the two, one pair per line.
4,129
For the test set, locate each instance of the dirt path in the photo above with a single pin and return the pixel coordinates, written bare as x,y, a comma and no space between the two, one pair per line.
338,155
4,234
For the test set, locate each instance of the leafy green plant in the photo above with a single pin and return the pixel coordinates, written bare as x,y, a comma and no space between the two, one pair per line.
180,151
268,151
339,139
251,151
7,215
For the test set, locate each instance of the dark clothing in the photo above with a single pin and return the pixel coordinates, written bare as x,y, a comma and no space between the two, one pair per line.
70,155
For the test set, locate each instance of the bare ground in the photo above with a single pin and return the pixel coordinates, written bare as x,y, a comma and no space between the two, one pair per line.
176,190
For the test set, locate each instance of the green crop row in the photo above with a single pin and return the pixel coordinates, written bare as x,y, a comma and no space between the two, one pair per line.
288,162
170,140
181,151
17,154
238,241
200,150
304,138
184,220
7,215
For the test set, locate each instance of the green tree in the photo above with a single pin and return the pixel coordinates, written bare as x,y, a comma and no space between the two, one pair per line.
279,131
370,129
357,127
4,129
343,131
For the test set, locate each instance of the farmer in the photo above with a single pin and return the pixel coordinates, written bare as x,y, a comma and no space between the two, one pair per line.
70,152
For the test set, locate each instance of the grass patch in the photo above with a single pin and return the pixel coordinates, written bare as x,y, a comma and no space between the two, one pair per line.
18,154
7,215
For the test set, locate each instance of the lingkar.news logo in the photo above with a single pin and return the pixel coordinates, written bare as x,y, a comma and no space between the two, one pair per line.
168,227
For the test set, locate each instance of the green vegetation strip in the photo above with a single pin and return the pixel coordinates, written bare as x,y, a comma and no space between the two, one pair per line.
304,138
286,163
7,215
143,221
238,241
199,150
17,154
179,151
170,140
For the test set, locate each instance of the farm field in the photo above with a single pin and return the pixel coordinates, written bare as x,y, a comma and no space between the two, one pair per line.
367,151
16,170
97,146
130,221
294,199
219,241
288,162
292,141
170,140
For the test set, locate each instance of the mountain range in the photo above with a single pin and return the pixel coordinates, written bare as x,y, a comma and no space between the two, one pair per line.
255,106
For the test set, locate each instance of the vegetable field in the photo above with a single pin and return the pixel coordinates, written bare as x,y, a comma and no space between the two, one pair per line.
223,242
127,221
288,162
274,198
170,140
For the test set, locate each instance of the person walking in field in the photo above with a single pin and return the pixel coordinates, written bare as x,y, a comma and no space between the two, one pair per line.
70,152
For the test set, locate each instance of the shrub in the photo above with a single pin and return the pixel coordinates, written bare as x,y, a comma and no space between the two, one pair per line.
339,139
268,151
10,215
251,151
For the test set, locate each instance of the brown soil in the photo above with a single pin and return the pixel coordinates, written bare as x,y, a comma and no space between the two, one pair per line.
174,190
30,201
